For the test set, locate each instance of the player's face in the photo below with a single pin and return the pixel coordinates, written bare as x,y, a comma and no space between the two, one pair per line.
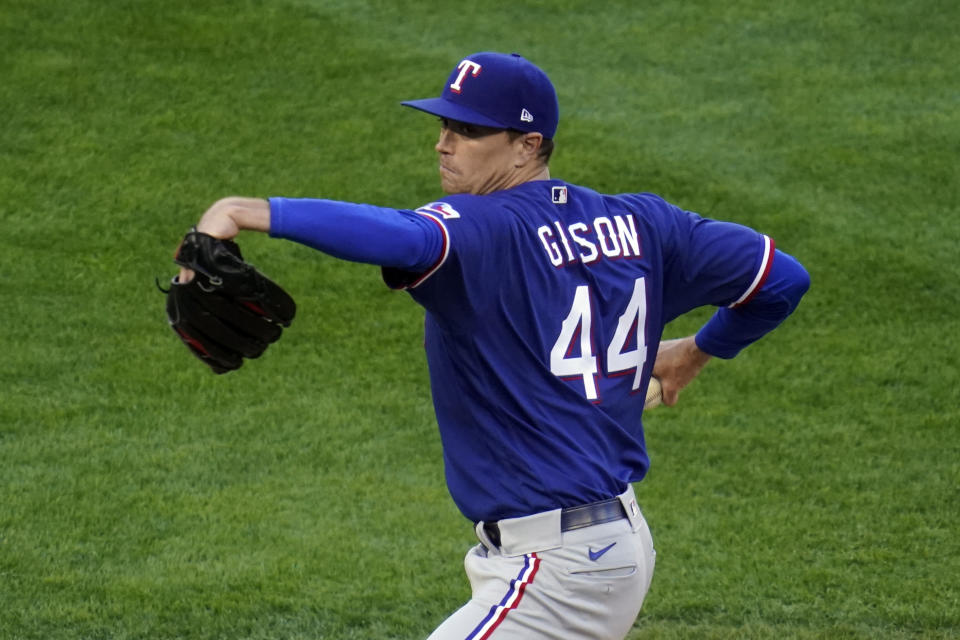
475,159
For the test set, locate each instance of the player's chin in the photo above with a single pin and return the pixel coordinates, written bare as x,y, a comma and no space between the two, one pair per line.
451,186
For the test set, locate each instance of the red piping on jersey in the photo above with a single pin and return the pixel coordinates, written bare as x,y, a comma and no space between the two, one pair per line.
768,250
443,254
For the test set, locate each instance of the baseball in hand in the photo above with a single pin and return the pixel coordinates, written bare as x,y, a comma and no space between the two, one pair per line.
654,394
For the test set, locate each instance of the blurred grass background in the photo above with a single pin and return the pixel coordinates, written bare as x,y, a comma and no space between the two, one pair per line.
807,489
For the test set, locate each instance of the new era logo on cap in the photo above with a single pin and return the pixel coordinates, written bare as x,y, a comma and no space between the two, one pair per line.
497,90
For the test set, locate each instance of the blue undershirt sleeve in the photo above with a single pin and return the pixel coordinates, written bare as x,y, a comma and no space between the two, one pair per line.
732,329
359,232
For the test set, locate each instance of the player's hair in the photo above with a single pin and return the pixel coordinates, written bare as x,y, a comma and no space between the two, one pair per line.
546,145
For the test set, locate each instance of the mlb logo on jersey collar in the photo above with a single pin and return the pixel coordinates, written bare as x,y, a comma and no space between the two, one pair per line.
559,195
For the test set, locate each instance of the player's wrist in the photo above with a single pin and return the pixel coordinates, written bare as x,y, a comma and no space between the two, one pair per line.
702,342
251,214
227,217
696,353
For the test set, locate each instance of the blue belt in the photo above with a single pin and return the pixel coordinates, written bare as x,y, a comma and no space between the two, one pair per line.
572,518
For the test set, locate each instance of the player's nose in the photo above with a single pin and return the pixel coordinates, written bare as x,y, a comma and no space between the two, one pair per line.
446,141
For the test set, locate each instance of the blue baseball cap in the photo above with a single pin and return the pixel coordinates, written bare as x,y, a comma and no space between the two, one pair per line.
499,90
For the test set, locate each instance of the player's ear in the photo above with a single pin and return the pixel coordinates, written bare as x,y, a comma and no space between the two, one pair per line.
528,146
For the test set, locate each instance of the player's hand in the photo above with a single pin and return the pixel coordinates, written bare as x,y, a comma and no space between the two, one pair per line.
678,363
227,217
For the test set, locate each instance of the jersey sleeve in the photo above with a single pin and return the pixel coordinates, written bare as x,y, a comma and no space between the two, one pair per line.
439,215
392,238
478,244
710,262
733,328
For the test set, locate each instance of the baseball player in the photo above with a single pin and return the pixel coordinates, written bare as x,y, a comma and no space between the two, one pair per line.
545,303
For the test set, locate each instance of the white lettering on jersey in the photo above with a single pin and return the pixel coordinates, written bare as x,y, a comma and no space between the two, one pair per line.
627,235
441,209
608,242
614,238
465,66
563,238
553,251
592,253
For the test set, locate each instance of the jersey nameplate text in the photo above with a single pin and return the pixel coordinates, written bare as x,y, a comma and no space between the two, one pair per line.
608,236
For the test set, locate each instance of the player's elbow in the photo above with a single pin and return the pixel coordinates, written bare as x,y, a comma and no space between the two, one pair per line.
803,283
794,277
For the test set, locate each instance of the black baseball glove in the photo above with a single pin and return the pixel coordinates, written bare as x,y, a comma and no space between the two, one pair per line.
229,311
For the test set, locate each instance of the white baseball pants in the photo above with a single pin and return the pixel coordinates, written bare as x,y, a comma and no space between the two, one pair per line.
546,584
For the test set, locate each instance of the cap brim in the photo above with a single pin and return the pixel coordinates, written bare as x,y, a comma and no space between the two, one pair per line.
446,109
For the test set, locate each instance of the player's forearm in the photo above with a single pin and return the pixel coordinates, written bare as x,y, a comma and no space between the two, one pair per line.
227,217
358,232
678,362
731,330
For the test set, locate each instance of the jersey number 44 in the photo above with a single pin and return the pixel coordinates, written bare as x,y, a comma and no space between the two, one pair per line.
621,358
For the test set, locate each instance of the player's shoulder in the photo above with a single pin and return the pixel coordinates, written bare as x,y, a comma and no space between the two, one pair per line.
658,211
455,207
441,209
545,194
643,201
464,206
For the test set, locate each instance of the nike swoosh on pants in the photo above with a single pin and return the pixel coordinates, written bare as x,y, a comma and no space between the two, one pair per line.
595,555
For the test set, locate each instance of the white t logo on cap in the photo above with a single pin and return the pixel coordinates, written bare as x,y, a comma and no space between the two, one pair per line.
465,66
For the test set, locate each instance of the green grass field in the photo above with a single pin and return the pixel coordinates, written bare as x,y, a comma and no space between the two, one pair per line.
809,488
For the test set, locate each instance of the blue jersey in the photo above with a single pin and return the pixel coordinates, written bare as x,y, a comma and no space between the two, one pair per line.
544,311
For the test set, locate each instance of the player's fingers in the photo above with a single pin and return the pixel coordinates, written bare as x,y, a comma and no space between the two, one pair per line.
186,275
670,395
